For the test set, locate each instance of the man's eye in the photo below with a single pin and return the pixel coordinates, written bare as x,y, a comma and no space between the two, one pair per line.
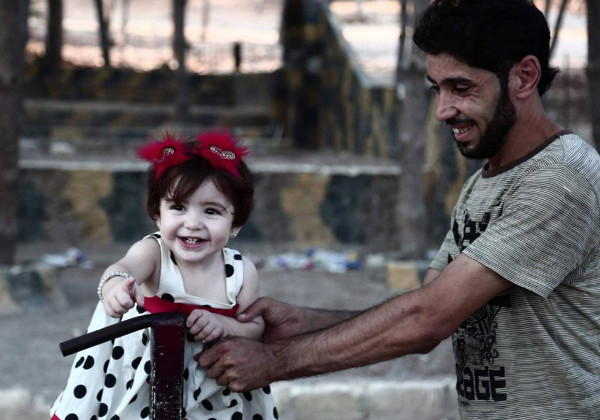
461,89
435,88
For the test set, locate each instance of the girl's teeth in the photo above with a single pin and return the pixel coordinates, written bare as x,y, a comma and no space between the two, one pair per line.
191,240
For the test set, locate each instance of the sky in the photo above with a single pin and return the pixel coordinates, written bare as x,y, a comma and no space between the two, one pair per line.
142,33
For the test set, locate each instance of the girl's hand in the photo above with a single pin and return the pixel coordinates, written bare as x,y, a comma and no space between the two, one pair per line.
204,326
121,296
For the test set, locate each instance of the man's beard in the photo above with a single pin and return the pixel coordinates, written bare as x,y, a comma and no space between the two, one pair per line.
492,140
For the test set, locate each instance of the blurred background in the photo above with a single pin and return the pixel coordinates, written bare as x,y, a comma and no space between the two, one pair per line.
336,85
355,179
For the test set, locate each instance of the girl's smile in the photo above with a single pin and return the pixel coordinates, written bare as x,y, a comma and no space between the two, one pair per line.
191,242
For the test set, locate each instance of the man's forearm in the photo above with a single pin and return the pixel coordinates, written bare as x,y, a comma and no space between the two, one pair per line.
317,319
353,339
414,322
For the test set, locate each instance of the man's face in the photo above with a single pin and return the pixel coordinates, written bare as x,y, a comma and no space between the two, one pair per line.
473,103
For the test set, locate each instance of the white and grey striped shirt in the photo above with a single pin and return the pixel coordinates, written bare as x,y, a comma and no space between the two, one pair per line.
533,352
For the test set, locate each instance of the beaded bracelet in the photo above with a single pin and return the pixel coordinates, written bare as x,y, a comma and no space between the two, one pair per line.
107,278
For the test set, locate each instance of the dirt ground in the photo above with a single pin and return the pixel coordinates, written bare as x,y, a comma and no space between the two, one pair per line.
31,358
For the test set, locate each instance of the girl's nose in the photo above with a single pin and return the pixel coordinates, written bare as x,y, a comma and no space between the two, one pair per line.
193,221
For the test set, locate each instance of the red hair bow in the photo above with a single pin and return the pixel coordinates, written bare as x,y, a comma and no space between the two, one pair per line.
169,152
219,148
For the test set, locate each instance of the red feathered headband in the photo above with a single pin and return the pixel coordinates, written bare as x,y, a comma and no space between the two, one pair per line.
219,148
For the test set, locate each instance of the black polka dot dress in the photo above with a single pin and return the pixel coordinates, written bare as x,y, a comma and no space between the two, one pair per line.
111,380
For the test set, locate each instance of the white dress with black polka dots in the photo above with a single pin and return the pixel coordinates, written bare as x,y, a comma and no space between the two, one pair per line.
111,380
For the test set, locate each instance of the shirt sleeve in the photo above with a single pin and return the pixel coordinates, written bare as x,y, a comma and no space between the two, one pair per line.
444,254
449,249
547,229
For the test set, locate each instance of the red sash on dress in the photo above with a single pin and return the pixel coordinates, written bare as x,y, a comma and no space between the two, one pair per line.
156,305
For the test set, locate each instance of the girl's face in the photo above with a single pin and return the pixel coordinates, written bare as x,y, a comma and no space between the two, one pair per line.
197,229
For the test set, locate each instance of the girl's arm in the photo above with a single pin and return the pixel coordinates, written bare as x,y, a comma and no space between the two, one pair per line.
141,263
207,326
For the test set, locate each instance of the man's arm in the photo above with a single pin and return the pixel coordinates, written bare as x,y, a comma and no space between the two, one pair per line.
283,320
430,275
414,322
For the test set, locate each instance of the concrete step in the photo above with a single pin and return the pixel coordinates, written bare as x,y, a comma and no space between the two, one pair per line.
359,400
72,127
115,113
84,109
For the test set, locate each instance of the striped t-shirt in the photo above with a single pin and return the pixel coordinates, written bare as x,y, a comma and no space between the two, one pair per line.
534,351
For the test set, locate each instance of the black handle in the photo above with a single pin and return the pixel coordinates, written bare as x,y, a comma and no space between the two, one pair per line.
122,328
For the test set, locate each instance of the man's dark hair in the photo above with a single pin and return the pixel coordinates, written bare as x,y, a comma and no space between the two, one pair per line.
492,35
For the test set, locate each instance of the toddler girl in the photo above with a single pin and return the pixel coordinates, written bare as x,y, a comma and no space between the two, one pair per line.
200,193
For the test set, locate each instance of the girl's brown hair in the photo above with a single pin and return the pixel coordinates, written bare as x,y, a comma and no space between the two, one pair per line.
180,181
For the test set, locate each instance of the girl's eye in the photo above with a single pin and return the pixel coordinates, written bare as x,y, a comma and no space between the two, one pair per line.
175,206
212,211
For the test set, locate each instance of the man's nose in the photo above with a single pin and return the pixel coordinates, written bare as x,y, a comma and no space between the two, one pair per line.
445,107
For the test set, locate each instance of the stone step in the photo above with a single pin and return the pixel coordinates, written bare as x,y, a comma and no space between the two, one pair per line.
102,113
71,127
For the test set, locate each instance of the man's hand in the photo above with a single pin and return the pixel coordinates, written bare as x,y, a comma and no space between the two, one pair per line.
240,364
281,320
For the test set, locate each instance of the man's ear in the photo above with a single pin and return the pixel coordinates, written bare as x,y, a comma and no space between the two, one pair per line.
525,76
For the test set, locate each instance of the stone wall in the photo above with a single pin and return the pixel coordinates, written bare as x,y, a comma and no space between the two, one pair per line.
331,103
308,206
355,114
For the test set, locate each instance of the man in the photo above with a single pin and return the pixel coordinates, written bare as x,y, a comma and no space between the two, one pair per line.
516,281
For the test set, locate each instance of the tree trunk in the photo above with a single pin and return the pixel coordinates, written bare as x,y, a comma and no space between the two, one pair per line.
557,25
103,31
182,101
402,40
411,214
205,19
54,37
593,69
302,47
13,38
